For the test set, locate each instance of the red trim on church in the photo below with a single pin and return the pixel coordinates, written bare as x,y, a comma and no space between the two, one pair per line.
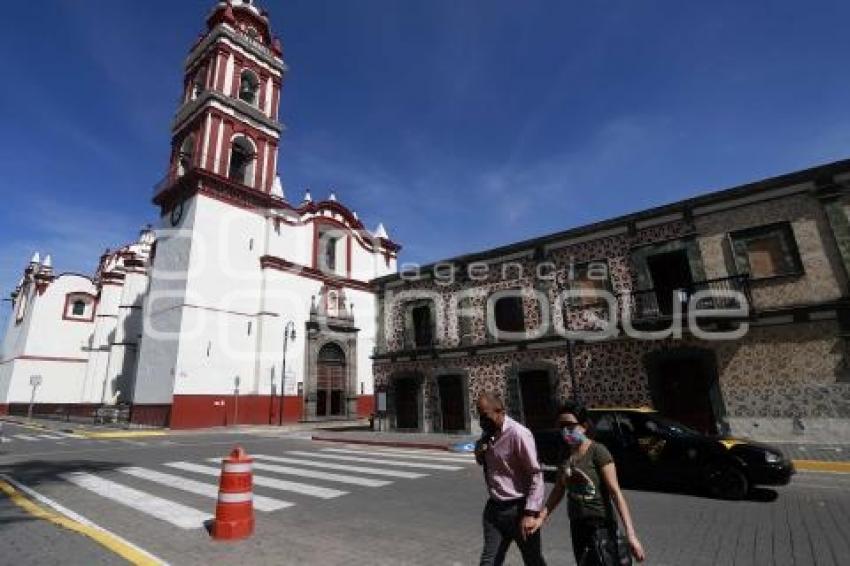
280,264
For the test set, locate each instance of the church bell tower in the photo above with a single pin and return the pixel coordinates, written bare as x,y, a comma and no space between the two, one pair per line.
204,312
226,132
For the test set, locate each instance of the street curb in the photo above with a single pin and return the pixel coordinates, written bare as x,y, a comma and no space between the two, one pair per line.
822,466
87,433
121,433
392,443
34,503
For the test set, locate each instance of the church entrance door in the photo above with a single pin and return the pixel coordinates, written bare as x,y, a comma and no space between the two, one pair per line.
330,386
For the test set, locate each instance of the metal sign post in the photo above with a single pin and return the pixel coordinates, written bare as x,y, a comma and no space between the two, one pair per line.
35,381
236,400
382,407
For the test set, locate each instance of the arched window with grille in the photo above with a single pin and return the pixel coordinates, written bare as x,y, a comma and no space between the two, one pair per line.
185,156
242,158
249,87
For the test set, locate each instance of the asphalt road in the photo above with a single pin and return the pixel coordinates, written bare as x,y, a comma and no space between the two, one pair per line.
329,504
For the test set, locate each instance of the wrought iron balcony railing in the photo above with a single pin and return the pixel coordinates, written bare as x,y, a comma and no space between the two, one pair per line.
714,294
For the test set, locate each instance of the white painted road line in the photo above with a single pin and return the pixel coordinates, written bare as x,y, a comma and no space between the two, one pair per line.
295,487
342,467
444,458
368,482
376,461
66,434
419,452
26,437
199,488
175,513
49,436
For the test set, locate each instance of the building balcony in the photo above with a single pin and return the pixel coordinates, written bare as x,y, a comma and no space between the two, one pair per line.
718,295
419,341
223,187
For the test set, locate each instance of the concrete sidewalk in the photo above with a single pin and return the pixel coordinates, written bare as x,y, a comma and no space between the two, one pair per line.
123,431
806,457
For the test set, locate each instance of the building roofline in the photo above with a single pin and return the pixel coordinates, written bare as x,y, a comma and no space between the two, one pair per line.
819,173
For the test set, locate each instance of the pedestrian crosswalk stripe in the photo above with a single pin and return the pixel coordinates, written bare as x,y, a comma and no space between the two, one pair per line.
66,434
341,478
199,488
26,437
376,461
342,467
423,452
446,458
302,488
175,513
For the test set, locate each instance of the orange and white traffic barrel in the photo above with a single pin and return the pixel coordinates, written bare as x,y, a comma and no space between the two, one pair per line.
234,511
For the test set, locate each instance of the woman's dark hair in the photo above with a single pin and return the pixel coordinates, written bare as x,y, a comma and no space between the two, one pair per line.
575,408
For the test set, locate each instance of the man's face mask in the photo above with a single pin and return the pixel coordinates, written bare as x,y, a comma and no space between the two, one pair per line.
487,424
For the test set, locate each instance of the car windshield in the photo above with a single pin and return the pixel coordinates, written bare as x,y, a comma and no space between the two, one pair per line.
669,426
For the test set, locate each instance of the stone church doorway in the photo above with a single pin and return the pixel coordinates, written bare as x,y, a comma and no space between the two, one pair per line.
330,381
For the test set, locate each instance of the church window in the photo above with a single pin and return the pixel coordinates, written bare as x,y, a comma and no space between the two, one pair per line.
249,87
79,308
199,83
333,304
185,156
330,253
241,161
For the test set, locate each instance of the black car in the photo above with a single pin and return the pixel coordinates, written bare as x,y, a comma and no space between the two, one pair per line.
650,449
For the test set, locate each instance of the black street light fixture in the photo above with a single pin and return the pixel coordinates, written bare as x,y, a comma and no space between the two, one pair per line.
288,334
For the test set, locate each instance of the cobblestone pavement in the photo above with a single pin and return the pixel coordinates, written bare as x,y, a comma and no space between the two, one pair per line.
415,507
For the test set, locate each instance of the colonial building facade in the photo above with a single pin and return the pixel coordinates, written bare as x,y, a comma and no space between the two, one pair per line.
764,264
242,306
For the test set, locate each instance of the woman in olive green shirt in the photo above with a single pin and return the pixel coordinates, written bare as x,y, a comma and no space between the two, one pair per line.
589,479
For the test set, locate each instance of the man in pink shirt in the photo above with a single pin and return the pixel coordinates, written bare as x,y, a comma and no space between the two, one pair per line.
515,483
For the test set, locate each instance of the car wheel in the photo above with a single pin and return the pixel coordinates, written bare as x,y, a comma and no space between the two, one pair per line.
727,481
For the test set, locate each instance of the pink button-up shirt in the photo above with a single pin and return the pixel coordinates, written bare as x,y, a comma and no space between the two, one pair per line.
511,468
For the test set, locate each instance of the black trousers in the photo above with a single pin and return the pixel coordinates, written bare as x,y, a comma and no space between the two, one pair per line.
593,544
502,527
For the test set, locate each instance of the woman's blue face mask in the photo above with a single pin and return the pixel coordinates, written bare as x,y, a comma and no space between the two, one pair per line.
572,435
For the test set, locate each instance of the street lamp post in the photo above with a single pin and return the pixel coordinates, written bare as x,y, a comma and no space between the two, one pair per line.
572,369
288,334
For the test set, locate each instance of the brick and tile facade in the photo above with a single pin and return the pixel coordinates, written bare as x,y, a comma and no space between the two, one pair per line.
785,375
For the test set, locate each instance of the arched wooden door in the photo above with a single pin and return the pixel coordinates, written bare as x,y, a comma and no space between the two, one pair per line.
330,386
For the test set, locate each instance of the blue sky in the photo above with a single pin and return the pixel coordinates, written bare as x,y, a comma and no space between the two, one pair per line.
459,124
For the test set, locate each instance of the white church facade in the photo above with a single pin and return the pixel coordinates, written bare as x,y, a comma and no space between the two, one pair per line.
241,306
